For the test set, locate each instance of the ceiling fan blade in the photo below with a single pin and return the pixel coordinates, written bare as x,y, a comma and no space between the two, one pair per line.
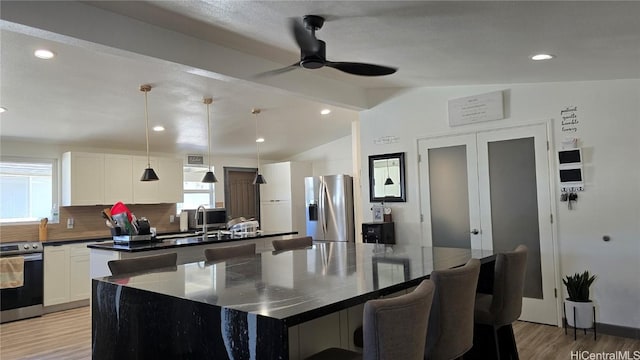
278,71
361,68
305,39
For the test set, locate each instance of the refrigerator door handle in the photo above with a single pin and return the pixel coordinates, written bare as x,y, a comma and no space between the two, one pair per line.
323,206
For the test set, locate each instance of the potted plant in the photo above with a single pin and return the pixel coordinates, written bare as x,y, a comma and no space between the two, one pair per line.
578,300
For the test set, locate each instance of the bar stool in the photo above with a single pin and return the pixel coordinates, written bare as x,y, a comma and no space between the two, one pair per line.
500,309
125,266
394,328
291,244
450,332
227,252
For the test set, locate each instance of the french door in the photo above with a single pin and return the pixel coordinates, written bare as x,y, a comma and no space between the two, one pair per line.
490,190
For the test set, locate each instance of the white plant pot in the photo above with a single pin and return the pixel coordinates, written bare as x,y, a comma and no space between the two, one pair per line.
584,314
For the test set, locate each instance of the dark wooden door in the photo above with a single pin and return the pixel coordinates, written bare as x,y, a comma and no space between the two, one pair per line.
241,196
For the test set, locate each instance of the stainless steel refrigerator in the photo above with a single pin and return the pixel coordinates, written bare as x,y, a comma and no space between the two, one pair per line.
329,202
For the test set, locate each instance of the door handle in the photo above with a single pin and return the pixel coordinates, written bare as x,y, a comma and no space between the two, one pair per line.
475,231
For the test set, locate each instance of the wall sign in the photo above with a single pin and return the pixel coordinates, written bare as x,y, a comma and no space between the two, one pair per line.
569,122
478,108
195,160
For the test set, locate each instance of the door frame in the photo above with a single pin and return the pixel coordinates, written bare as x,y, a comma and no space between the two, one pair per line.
227,199
548,123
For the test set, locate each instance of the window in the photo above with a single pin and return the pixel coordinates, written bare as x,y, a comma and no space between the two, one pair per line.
27,189
196,192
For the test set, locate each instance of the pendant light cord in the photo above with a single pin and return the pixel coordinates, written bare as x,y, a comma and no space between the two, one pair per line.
208,133
257,143
146,127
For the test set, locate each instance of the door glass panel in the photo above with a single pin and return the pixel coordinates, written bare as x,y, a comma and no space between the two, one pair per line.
449,196
514,204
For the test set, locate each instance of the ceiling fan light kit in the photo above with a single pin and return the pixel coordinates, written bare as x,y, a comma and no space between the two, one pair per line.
209,177
149,174
313,52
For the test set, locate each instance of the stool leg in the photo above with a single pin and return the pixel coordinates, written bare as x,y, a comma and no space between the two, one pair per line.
496,342
514,348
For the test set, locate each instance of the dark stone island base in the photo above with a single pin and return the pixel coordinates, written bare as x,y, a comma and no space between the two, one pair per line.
138,324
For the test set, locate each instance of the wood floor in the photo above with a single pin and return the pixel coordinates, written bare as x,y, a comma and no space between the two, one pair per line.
67,335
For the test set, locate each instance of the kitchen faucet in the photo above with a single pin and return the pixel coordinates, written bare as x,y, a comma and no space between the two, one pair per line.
204,221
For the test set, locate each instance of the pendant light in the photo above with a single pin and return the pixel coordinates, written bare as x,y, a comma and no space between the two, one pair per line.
388,181
148,174
209,177
259,179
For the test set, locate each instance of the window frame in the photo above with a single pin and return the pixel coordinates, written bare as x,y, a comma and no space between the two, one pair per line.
54,184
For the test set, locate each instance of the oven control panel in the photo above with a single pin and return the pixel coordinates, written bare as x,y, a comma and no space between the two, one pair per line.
18,248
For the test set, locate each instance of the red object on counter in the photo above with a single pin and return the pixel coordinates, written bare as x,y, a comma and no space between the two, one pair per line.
119,208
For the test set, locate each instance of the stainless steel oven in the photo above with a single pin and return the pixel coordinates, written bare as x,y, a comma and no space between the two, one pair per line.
24,301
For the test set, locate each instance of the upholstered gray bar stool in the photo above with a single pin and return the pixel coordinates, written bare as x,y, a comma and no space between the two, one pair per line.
227,252
450,332
502,308
394,328
290,244
126,266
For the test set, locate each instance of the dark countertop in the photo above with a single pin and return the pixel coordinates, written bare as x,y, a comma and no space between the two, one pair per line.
184,241
300,285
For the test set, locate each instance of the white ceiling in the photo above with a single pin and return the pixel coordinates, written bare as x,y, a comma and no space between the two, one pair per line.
88,95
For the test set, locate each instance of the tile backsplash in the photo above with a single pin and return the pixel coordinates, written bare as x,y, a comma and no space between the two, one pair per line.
88,223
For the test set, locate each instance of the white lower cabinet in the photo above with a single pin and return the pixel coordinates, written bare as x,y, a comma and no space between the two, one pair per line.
66,274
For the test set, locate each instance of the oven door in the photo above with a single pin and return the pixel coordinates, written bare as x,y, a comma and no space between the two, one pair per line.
30,293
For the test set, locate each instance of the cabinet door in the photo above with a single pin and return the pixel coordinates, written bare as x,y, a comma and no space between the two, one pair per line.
83,179
278,186
170,186
79,284
275,216
118,178
144,192
56,275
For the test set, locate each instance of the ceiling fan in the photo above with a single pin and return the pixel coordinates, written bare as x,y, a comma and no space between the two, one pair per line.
312,52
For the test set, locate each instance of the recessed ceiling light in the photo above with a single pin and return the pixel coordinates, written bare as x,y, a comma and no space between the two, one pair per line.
44,54
2,110
259,140
542,57
325,112
158,128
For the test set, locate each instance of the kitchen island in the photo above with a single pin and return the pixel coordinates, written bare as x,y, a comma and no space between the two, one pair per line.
189,247
274,305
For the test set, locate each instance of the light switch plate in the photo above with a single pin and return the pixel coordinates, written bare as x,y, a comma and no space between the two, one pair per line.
70,223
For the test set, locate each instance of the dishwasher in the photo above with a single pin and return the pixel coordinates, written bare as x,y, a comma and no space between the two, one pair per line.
23,301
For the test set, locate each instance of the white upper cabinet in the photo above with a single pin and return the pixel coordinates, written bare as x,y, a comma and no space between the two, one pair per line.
104,179
144,192
118,185
171,184
82,179
278,186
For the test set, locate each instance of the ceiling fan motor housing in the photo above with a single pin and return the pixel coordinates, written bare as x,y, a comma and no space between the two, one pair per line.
315,59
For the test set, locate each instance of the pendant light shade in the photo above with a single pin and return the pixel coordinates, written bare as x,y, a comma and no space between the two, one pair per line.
148,174
209,177
259,179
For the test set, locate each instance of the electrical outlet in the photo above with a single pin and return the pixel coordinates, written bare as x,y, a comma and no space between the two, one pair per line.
70,223
172,218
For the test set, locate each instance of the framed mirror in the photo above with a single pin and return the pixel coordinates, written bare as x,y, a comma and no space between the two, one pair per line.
386,178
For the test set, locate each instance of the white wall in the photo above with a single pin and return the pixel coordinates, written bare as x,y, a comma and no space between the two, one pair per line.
609,126
329,159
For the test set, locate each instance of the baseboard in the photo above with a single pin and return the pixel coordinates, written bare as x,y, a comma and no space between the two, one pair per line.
66,306
616,330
